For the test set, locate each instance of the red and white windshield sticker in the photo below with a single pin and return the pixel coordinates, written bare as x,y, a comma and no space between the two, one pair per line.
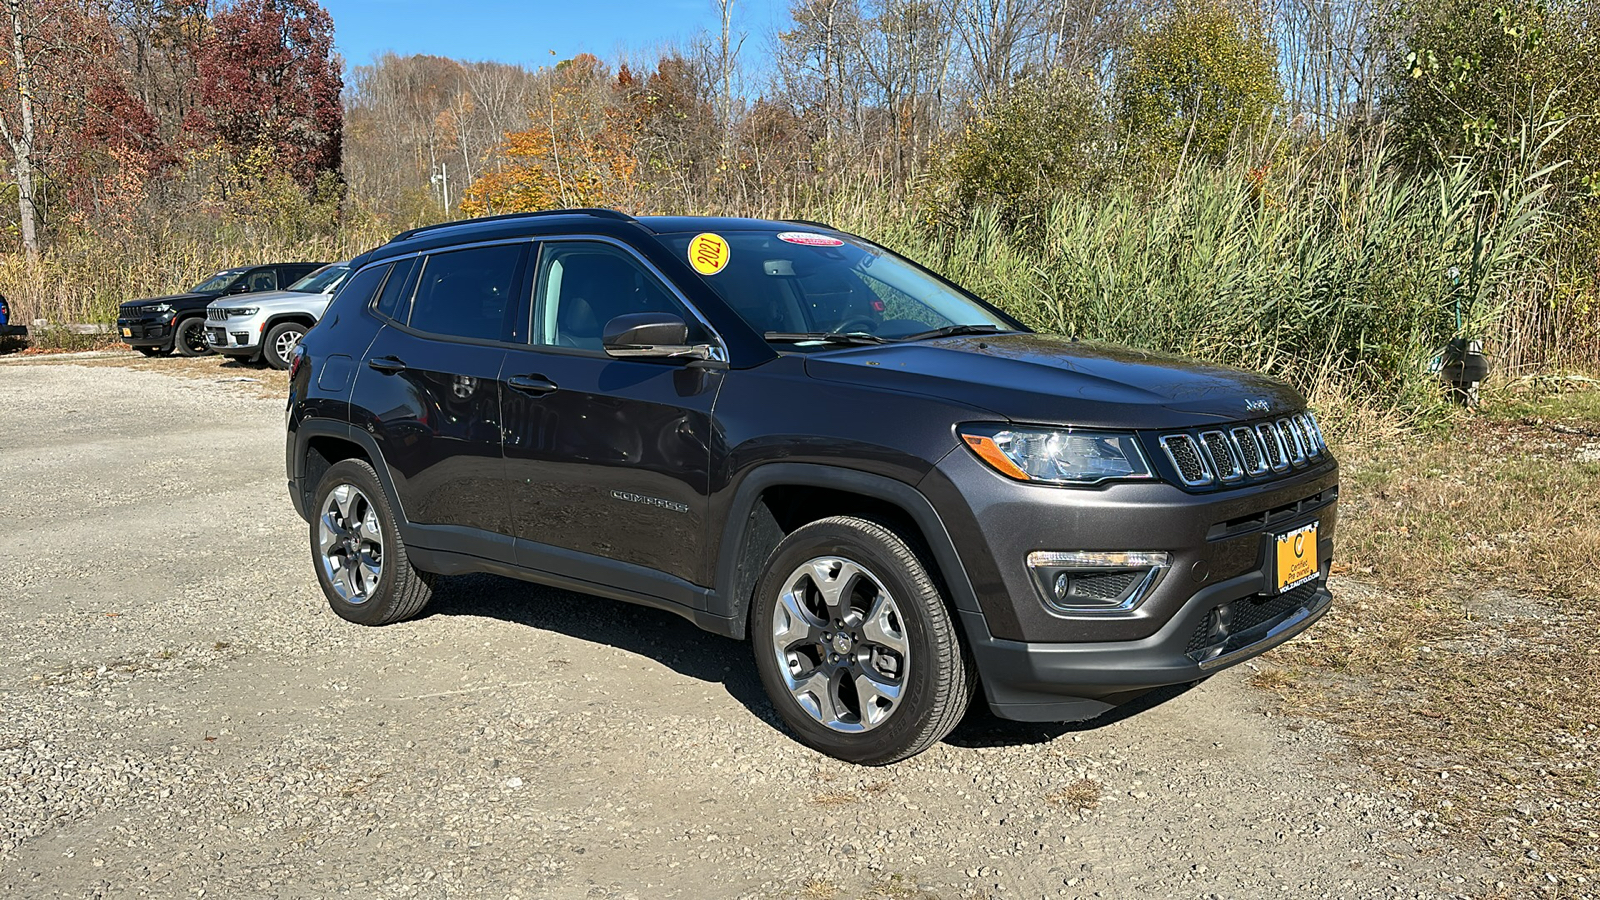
807,239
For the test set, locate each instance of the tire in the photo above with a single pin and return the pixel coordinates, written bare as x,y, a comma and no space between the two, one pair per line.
189,337
899,642
152,352
345,556
287,334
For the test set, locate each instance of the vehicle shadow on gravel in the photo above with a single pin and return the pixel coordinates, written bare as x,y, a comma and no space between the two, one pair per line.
982,728
659,635
678,644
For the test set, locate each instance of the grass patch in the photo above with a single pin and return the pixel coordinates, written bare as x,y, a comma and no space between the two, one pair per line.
1078,796
1461,654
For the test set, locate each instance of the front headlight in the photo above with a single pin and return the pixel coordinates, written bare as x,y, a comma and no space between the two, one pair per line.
1057,455
243,311
159,309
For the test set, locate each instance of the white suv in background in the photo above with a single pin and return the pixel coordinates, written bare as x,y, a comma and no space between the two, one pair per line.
268,325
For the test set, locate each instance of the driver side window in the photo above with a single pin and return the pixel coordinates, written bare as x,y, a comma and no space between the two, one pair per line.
585,284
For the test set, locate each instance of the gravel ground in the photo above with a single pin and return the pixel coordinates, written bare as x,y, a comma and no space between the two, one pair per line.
181,715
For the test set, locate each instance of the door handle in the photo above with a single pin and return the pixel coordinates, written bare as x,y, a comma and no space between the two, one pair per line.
387,364
531,384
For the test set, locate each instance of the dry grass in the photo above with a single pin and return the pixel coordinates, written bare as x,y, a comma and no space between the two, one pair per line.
1462,654
1078,796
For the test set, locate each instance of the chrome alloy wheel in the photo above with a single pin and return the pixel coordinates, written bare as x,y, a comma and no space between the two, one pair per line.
350,541
841,644
285,344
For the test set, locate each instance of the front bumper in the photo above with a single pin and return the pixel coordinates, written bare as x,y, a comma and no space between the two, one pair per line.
235,337
146,332
1063,682
1211,609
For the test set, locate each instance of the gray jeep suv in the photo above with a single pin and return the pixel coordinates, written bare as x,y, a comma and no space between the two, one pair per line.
899,494
268,325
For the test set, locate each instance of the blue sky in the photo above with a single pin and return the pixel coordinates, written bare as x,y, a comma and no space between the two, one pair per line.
525,32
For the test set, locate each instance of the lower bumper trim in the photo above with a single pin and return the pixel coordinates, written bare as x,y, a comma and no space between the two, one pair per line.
1073,681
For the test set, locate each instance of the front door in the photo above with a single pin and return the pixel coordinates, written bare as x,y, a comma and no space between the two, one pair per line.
607,459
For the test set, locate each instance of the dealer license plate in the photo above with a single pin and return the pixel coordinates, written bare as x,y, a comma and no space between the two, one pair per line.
127,332
1297,557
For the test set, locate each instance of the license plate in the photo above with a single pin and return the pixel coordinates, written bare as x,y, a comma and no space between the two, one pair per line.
127,332
1297,557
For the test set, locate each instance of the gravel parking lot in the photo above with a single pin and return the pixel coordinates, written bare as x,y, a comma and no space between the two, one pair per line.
181,715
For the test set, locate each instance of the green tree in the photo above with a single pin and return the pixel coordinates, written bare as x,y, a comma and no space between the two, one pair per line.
1195,75
1047,138
1493,82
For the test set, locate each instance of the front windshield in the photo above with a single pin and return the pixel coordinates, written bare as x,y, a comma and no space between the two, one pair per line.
217,283
322,281
807,282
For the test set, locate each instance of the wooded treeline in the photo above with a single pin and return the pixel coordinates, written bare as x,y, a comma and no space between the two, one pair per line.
186,134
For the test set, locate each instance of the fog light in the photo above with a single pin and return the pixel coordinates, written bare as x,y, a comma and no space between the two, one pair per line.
1080,581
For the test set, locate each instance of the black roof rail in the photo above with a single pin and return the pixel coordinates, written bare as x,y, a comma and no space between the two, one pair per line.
809,222
598,212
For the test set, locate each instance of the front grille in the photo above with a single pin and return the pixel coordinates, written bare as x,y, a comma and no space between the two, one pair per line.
216,315
1249,447
1241,616
1244,452
1222,461
1185,455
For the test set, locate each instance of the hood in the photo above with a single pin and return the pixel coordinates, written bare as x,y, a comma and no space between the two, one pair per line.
1049,379
296,299
174,299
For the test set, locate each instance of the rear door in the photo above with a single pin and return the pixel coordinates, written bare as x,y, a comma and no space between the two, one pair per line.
433,389
608,459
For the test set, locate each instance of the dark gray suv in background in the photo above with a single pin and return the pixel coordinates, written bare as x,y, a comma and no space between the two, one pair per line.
780,431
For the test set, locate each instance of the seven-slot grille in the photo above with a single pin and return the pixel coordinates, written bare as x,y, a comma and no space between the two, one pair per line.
216,315
129,312
1245,451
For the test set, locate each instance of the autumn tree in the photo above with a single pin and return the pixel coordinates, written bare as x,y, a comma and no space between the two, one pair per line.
269,83
64,101
579,151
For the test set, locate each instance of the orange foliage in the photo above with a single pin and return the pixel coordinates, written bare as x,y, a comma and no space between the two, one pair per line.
582,156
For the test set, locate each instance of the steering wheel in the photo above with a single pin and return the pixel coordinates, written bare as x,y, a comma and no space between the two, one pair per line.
843,327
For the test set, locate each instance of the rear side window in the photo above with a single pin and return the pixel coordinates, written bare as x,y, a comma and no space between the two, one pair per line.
261,280
470,293
358,291
390,302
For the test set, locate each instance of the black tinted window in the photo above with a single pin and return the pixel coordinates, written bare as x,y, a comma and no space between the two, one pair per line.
469,293
261,280
358,291
389,302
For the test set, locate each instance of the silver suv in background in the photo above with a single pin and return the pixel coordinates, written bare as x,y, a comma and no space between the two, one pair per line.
269,324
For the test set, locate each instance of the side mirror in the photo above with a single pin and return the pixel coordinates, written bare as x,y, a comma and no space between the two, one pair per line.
239,287
650,335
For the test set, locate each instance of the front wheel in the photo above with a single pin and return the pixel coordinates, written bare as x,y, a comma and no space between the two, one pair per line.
278,348
855,643
356,548
189,337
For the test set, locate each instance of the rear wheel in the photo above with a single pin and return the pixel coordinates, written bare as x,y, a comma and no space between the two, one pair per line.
278,348
189,337
855,643
356,548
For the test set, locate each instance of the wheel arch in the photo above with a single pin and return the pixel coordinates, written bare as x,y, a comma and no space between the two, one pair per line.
299,318
777,498
319,444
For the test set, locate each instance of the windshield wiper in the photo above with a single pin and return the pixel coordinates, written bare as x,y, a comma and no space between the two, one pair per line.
828,337
950,330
